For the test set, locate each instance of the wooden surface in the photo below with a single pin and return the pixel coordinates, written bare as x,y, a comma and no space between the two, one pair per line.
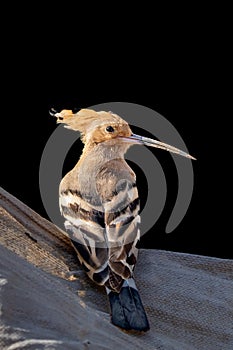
43,305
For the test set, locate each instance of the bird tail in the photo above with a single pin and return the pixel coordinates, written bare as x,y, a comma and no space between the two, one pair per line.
127,310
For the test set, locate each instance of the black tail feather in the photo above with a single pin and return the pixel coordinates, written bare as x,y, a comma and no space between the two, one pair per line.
127,310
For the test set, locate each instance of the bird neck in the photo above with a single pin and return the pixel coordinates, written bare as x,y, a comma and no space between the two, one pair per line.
104,151
92,161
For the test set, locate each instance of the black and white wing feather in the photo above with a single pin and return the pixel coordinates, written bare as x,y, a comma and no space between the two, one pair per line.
104,236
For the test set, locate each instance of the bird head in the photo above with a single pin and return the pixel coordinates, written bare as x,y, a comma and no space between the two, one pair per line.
96,127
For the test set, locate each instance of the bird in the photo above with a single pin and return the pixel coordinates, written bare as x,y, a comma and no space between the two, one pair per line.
100,204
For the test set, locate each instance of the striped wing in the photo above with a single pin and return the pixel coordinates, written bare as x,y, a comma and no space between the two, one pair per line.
105,240
122,226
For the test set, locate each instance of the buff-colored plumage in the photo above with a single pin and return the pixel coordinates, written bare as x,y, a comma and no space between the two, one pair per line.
99,201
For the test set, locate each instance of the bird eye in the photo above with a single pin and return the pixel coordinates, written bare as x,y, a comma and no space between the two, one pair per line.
109,129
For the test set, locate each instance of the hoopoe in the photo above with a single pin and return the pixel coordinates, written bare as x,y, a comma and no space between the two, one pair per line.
99,200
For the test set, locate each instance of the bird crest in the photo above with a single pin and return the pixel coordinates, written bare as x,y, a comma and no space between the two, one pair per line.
87,120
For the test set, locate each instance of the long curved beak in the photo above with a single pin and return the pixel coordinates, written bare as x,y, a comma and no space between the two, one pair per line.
146,141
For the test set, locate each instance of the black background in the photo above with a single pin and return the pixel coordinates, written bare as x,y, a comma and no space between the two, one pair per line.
181,80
